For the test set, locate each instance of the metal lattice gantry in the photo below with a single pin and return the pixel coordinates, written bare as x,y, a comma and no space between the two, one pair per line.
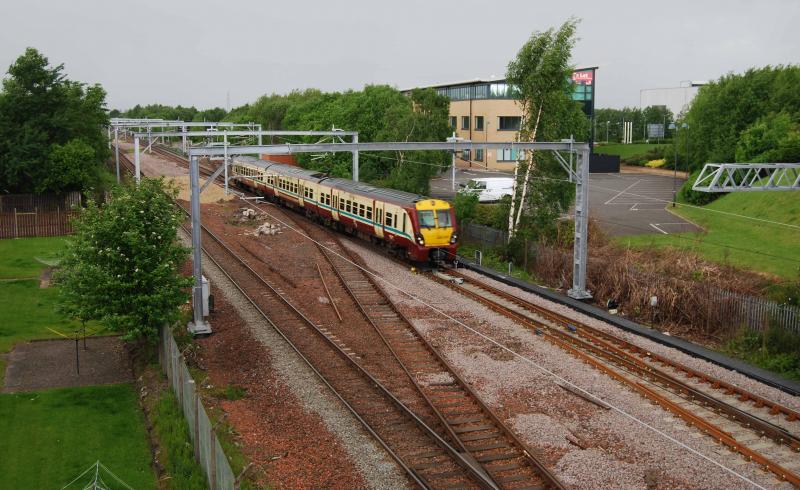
579,173
748,177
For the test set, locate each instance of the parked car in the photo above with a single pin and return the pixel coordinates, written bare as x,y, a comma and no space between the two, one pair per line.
489,189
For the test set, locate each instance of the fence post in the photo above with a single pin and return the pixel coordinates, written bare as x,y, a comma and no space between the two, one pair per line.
16,226
212,467
196,428
36,221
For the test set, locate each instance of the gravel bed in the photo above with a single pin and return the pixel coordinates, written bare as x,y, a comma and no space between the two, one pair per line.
375,466
715,370
604,448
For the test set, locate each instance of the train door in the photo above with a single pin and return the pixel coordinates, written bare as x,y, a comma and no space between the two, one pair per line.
334,205
377,218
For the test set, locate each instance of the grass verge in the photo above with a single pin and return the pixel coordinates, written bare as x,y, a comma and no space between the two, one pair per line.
731,240
775,350
493,259
19,256
50,437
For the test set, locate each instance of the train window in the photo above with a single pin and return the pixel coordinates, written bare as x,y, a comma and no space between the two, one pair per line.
389,217
361,211
404,222
425,219
443,218
380,216
369,214
347,206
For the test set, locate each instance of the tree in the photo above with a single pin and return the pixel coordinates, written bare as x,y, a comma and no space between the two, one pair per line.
41,114
541,76
121,265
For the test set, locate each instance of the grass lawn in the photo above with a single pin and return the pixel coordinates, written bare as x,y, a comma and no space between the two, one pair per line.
50,437
742,242
26,311
18,255
626,151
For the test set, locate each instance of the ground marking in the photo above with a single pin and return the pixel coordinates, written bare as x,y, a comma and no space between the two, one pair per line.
622,192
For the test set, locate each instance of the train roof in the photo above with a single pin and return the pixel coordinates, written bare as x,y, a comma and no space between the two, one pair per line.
366,190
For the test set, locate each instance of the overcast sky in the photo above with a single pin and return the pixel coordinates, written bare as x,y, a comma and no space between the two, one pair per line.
193,52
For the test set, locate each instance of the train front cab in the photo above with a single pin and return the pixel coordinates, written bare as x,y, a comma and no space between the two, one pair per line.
435,239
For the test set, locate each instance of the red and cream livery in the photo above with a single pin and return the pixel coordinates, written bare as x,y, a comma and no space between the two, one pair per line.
417,227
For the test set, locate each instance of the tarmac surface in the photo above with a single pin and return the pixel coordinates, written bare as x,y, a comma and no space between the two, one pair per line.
623,203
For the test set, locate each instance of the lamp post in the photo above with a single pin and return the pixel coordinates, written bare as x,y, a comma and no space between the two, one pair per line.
686,133
675,165
607,124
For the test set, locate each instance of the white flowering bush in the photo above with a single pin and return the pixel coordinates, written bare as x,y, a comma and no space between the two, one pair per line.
121,265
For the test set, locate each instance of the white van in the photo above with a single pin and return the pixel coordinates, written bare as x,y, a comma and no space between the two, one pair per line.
489,189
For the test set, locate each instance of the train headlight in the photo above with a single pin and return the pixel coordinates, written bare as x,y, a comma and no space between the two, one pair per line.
453,238
420,239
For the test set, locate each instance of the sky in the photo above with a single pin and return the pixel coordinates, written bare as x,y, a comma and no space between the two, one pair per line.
197,52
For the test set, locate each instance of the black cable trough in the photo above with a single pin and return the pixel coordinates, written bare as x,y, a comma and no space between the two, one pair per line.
682,345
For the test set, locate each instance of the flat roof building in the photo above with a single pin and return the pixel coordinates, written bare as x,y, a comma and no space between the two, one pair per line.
487,110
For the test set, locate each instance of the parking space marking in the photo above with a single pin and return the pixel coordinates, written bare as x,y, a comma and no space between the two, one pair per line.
623,191
655,225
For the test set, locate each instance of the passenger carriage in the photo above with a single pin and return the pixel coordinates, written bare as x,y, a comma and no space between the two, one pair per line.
419,228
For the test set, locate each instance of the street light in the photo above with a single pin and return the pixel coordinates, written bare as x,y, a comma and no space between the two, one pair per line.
607,123
673,126
686,127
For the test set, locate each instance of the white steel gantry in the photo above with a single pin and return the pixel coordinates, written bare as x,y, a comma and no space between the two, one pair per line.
748,177
580,174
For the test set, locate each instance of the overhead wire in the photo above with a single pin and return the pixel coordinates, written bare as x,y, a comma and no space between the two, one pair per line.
514,353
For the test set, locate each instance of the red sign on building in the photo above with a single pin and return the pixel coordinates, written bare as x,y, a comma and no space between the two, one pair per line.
582,77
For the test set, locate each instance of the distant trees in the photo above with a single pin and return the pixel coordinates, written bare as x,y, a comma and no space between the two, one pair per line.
378,113
176,113
121,265
51,137
748,117
608,122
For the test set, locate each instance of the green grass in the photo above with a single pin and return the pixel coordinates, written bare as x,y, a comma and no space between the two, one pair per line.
50,437
26,311
493,260
18,255
745,243
626,151
177,456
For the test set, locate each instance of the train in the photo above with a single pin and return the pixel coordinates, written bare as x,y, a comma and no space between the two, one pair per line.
417,228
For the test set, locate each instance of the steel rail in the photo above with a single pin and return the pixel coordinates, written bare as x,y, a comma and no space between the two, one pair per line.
618,344
424,481
349,261
579,347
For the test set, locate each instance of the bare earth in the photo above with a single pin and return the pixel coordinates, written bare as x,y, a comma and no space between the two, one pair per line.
51,364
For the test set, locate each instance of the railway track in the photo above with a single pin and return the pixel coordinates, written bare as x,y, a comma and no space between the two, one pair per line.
468,422
428,459
760,430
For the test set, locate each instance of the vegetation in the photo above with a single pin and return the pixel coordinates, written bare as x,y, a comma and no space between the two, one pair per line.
608,127
121,266
51,137
738,241
541,73
777,350
379,113
749,117
172,431
638,153
177,113
27,310
495,258
50,437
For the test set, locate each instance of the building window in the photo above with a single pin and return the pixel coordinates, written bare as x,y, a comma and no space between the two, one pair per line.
464,122
479,154
465,155
509,155
509,123
478,123
453,122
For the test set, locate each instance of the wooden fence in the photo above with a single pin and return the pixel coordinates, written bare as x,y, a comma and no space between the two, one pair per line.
32,215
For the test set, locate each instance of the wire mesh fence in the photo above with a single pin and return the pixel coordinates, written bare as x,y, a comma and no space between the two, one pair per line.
207,450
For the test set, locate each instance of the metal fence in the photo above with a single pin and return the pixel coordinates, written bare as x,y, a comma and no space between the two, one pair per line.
207,449
32,215
482,235
756,313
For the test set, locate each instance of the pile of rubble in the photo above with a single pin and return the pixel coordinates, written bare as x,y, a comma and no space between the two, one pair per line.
249,215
